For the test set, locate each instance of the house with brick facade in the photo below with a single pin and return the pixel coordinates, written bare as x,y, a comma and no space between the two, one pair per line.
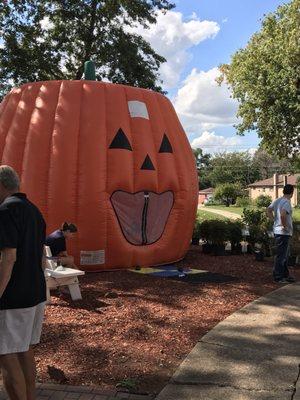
273,187
205,195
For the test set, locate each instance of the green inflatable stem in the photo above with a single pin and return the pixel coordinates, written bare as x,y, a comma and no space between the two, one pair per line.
89,71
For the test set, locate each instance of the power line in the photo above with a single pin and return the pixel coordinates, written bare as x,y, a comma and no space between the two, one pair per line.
223,145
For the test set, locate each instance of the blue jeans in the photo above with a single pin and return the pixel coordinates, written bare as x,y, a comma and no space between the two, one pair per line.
280,270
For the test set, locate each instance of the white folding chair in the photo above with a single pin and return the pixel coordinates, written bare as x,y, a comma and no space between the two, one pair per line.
57,276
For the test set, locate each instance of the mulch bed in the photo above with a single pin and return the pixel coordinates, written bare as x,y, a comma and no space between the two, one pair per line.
140,327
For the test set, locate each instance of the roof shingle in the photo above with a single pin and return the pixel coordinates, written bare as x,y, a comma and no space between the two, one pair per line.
291,179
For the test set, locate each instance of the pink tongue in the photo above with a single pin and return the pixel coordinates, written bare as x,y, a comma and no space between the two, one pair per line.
129,210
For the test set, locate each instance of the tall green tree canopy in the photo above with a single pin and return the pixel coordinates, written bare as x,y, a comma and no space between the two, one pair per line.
203,168
268,164
228,193
44,40
265,79
233,168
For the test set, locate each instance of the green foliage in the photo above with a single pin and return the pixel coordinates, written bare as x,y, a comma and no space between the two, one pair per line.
268,164
259,225
255,217
295,240
296,164
45,40
234,230
263,201
214,231
265,79
243,201
203,168
196,231
298,190
212,202
129,384
205,230
227,193
240,168
233,168
219,231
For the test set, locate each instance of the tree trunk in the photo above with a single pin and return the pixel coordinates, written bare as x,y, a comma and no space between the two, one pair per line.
89,40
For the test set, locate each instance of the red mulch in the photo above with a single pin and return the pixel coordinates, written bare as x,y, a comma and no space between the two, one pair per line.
147,330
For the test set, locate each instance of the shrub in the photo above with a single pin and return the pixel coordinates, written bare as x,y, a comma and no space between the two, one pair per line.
234,229
243,201
212,202
259,225
263,201
219,231
196,231
295,240
227,193
205,230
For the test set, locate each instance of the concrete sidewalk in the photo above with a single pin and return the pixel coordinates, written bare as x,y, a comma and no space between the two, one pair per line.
252,355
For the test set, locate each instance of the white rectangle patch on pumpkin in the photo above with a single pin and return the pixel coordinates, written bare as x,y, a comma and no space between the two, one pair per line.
96,257
138,109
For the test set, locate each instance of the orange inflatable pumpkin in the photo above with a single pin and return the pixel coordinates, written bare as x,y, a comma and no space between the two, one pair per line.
111,158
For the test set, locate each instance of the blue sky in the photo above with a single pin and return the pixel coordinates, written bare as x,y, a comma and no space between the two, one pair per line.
242,20
206,112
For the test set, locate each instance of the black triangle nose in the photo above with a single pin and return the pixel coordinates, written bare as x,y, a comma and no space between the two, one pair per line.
147,164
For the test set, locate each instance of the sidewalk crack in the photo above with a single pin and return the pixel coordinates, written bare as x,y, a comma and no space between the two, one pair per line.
295,384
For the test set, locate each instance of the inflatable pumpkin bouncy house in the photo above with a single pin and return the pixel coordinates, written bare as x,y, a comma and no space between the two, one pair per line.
111,158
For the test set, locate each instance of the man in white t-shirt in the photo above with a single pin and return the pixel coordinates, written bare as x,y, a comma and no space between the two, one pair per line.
281,211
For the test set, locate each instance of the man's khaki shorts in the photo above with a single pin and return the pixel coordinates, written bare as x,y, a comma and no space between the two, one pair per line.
20,328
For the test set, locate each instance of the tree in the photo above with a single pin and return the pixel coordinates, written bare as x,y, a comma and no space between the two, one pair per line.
233,168
265,79
298,190
296,164
227,193
203,164
44,40
268,164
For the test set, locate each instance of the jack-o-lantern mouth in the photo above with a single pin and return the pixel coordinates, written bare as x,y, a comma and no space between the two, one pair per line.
143,215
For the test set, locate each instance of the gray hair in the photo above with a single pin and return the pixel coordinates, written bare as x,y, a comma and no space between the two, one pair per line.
9,178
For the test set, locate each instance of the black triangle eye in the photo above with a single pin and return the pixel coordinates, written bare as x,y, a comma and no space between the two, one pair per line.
165,146
147,164
120,141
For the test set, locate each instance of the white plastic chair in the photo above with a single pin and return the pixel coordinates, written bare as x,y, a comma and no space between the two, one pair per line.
57,276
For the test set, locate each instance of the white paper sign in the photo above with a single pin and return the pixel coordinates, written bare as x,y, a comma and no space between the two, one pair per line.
138,109
96,257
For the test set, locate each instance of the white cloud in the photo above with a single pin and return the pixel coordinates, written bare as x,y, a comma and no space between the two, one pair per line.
212,143
202,104
172,37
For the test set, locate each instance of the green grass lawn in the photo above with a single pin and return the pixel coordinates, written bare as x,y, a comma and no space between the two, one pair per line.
239,211
296,214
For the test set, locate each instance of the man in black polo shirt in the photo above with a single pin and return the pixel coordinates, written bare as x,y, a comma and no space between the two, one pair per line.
22,286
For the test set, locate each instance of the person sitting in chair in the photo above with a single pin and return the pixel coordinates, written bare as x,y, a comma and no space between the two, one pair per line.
57,243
